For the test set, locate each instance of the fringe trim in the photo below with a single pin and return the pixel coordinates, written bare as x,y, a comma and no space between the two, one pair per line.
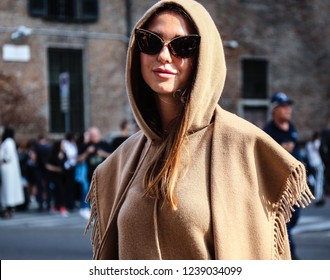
93,220
296,192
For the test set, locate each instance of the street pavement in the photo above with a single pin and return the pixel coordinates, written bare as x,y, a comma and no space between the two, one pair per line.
32,235
43,236
312,233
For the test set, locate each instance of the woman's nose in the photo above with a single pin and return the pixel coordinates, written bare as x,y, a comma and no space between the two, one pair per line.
165,56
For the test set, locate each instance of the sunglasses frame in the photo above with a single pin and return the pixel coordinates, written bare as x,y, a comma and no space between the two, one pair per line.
140,31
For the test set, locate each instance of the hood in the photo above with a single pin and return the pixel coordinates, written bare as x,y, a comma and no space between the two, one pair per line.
210,72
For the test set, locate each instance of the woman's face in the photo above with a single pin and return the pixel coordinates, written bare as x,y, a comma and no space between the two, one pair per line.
163,72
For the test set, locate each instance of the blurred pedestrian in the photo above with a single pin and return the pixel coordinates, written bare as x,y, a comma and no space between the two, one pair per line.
81,175
12,193
71,152
95,151
281,127
196,182
56,169
23,151
42,151
283,131
325,155
123,135
316,167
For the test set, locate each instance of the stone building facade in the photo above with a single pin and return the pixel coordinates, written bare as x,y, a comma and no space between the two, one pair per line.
269,46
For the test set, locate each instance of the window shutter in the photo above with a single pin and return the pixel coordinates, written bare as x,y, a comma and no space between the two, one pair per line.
89,10
37,8
65,10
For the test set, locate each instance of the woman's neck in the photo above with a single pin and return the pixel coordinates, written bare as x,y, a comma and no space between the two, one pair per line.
168,108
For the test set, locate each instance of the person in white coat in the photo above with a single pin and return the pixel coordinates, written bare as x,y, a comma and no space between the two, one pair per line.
12,193
316,163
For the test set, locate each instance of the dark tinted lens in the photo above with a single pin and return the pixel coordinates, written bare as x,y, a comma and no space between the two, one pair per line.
184,46
148,43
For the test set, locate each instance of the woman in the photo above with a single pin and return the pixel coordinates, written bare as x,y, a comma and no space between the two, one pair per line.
196,182
12,193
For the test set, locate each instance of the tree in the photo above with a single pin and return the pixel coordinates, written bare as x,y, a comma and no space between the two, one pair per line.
15,108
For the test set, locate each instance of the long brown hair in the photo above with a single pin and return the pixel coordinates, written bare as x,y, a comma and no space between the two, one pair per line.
162,174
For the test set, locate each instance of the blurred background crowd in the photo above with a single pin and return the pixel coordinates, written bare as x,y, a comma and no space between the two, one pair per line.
53,175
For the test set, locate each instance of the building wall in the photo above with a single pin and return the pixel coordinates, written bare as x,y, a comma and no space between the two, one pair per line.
293,36
104,55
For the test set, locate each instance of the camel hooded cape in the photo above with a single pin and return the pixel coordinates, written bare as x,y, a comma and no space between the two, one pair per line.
253,181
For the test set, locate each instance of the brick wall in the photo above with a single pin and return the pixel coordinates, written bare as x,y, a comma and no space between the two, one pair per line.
292,35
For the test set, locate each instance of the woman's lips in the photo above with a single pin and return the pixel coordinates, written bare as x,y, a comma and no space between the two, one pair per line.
164,73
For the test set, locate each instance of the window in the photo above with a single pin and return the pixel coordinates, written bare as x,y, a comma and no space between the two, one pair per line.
65,10
37,8
254,78
254,103
66,112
